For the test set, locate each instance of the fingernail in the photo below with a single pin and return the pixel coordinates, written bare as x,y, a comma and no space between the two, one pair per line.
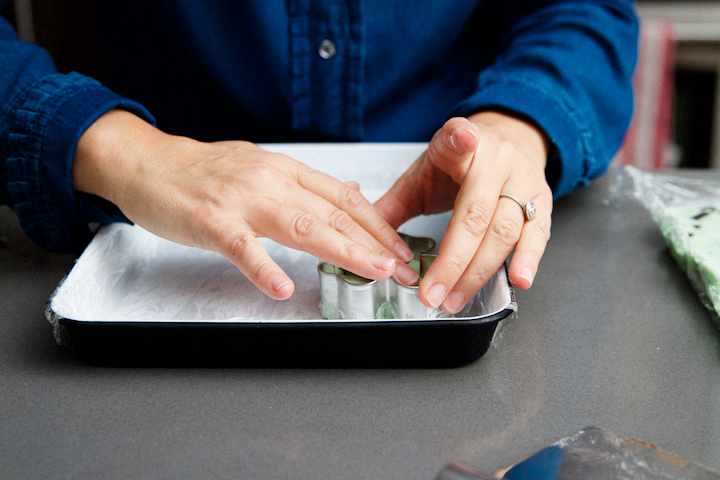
527,274
436,295
454,301
278,282
407,275
455,139
383,263
403,251
452,140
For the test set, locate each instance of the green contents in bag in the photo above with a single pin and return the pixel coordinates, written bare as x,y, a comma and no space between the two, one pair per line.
693,234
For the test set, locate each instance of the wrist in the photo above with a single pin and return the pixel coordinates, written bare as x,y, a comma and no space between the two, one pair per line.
107,153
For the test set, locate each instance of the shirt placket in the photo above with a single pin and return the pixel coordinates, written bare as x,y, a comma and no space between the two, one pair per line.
327,60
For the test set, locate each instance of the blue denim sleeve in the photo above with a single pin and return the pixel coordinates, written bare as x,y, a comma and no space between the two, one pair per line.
42,115
566,65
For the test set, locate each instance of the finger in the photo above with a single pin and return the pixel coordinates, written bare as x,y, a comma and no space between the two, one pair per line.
341,222
374,231
531,247
422,188
244,251
405,199
296,228
353,185
501,237
498,244
304,201
453,147
466,230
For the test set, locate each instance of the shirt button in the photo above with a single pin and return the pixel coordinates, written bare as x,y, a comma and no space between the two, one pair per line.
327,49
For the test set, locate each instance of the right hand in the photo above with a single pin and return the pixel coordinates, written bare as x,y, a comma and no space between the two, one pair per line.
468,164
222,196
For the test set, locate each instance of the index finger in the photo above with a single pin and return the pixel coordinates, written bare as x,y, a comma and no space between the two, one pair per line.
473,212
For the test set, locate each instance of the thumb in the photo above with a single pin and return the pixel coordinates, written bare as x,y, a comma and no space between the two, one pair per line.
354,185
402,201
430,184
453,147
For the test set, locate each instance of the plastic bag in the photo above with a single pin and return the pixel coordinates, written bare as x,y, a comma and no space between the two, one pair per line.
686,207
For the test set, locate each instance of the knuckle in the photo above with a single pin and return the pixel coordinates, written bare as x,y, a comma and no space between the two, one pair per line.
454,264
543,228
260,270
475,218
240,247
507,232
206,229
547,192
341,221
346,250
243,253
505,149
540,228
304,225
432,154
266,169
477,276
264,173
351,199
386,231
534,252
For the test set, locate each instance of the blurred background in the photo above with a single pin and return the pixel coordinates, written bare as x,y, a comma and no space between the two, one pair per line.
677,111
677,79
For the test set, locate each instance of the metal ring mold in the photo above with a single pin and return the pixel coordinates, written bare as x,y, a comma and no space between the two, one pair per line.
344,295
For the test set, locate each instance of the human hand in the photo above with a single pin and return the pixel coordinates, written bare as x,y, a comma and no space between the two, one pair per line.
222,196
467,165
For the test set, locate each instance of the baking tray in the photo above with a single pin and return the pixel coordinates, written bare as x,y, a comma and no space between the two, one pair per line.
135,299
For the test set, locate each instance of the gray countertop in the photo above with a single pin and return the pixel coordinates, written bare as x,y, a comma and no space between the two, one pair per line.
610,335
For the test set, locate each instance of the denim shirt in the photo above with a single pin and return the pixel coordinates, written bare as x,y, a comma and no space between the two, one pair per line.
316,70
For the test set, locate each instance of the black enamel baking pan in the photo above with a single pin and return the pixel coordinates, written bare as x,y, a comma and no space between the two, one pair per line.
137,300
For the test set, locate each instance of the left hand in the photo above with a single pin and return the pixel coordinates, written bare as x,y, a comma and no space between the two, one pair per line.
467,165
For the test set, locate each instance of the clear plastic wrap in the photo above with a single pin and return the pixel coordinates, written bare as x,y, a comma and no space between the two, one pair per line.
128,274
686,207
591,454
